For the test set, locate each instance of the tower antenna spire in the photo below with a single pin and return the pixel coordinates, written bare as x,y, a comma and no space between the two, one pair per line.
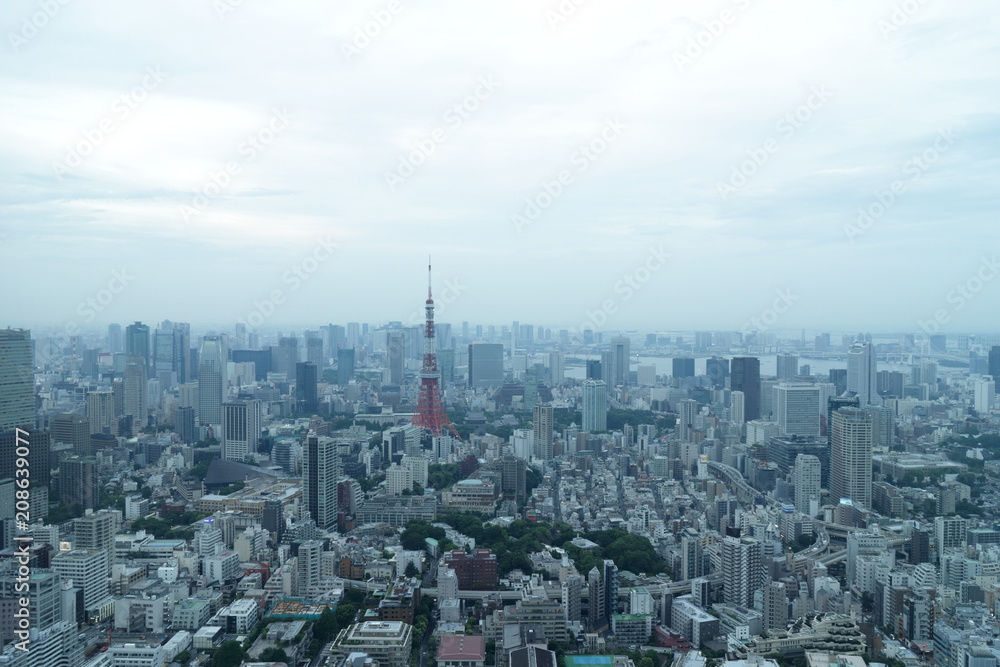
428,276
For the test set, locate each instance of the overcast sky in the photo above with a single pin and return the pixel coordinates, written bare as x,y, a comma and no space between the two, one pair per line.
713,156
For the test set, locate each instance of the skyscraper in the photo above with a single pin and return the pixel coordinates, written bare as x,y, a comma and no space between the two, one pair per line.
787,366
287,356
485,364
862,374
543,424
240,429
321,470
314,351
985,395
745,377
137,342
798,408
78,481
737,407
620,359
595,406
851,456
345,366
212,379
807,479
993,364
683,367
556,368
114,340
17,380
101,411
395,345
742,573
306,388
136,394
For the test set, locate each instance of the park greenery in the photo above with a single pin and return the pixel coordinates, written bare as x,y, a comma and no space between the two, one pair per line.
513,544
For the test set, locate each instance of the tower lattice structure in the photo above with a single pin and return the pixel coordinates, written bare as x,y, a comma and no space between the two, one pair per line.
430,413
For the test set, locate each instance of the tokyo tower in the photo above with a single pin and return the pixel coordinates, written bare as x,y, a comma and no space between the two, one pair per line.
430,408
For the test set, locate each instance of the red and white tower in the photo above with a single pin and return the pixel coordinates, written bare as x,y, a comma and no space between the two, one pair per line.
430,413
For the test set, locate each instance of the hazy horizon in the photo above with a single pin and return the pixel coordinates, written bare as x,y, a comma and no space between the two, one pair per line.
633,166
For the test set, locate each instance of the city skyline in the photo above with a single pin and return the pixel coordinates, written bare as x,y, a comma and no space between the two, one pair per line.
646,158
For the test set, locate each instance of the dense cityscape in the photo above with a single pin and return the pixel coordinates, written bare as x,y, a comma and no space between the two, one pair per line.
506,495
567,333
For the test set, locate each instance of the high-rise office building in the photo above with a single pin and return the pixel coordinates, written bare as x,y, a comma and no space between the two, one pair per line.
240,429
557,368
745,377
285,356
807,478
787,366
137,342
742,573
321,470
162,365
513,472
185,424
737,407
717,370
212,379
136,392
78,481
345,366
531,388
993,363
595,406
314,349
395,346
683,367
985,395
620,360
306,388
687,412
72,429
543,425
114,339
862,373
485,364
594,370
798,408
851,456
17,380
101,411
